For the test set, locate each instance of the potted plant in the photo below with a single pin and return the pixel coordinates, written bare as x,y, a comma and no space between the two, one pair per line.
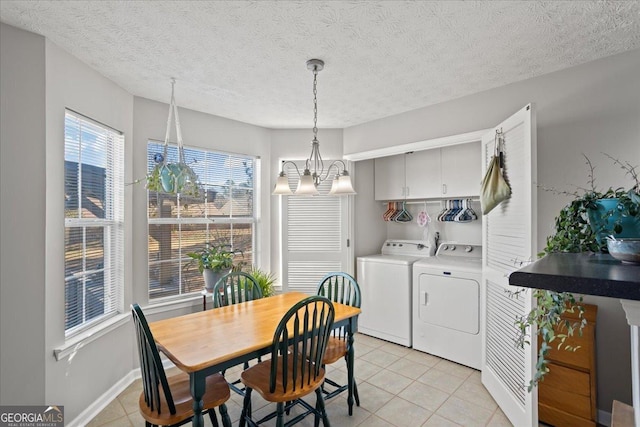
214,261
615,212
265,280
577,228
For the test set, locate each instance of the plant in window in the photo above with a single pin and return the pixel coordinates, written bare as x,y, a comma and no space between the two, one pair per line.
214,261
173,177
579,227
265,280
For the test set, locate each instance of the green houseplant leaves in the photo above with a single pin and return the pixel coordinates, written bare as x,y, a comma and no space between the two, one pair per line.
574,232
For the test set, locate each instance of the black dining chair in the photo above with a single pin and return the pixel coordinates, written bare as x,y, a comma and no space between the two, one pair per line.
291,374
235,287
341,288
167,401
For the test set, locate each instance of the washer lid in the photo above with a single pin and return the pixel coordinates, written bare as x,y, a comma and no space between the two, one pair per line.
389,259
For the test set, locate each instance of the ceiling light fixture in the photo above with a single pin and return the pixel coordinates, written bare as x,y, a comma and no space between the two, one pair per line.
314,171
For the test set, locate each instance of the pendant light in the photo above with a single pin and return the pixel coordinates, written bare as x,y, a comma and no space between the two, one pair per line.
314,172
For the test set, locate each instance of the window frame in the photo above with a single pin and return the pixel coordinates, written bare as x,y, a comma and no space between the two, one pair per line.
252,221
113,226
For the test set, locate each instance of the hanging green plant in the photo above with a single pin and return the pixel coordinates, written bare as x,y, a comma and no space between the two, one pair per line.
173,177
574,232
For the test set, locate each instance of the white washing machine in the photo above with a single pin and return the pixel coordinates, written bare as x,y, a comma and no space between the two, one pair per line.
385,285
446,304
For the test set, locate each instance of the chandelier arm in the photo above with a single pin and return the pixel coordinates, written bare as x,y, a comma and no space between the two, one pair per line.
334,164
291,163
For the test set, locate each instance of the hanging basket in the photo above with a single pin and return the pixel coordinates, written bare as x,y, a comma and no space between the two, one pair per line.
169,177
174,178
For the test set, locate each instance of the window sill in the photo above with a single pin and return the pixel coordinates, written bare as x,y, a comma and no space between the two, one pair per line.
173,304
76,342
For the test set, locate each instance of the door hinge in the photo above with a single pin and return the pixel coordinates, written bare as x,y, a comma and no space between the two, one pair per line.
348,242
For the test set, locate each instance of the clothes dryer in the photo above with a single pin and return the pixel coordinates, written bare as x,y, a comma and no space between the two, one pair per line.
446,304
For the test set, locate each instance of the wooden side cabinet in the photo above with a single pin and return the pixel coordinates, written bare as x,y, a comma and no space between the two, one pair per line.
567,395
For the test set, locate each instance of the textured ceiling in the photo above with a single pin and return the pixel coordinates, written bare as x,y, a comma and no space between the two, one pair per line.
245,60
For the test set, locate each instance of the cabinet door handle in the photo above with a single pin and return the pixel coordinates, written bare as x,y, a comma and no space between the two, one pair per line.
403,190
444,188
424,298
407,193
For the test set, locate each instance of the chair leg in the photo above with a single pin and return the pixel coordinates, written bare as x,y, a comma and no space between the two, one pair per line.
316,417
355,392
226,421
213,418
323,412
246,407
280,412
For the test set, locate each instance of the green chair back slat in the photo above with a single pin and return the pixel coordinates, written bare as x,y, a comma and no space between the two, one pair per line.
306,326
234,288
154,379
341,288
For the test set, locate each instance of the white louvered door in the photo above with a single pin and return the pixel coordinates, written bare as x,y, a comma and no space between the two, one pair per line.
509,233
315,233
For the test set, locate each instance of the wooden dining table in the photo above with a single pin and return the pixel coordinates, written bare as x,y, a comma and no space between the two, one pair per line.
207,342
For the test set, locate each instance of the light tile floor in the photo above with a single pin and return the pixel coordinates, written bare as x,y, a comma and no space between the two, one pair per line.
398,387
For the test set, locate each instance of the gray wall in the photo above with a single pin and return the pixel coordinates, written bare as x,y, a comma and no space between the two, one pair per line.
72,84
22,224
587,109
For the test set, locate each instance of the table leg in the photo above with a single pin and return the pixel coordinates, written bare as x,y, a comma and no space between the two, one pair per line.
197,386
350,362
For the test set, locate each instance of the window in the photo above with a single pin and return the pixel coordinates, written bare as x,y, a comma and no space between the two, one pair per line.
315,232
94,218
222,214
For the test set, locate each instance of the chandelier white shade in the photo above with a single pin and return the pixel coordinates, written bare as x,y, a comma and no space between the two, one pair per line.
314,171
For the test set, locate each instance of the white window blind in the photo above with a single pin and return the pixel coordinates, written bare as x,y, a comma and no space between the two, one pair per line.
314,235
94,221
223,213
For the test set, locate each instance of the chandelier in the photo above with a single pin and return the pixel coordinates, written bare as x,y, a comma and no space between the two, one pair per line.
314,170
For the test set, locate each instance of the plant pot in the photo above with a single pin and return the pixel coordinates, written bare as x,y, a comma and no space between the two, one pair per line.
604,218
211,277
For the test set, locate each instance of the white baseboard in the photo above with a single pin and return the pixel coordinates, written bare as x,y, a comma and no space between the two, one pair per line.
604,418
107,397
103,401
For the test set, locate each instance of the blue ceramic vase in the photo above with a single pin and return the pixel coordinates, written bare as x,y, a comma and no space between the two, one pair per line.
604,219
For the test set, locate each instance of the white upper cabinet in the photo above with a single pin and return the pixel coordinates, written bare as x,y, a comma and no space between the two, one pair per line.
447,172
423,174
461,170
389,177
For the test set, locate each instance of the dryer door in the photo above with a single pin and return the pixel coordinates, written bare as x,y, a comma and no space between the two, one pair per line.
449,302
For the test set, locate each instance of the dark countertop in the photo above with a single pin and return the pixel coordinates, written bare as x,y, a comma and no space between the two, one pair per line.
582,273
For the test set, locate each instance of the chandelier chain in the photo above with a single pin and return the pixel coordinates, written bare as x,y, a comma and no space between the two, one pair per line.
315,103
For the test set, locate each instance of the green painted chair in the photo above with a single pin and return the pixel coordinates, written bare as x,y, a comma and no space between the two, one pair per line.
290,375
167,401
343,289
235,287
